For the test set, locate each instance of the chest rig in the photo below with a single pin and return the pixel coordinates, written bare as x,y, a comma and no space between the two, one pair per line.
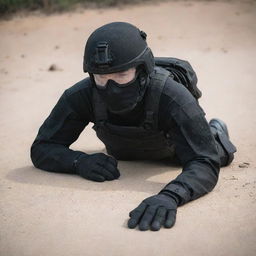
141,142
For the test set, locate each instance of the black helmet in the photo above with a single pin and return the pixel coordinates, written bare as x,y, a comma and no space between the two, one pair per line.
116,47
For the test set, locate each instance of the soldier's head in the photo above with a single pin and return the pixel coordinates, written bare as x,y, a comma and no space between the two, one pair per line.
116,47
119,63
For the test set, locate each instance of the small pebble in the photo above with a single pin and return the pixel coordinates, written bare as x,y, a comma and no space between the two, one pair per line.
245,184
224,50
3,71
54,67
244,165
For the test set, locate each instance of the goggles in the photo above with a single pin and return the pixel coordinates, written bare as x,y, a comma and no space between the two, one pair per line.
122,77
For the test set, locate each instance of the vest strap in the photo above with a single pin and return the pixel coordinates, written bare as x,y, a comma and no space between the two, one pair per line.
99,107
156,85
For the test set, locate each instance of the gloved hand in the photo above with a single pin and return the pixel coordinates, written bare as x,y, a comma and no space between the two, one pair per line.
153,212
98,167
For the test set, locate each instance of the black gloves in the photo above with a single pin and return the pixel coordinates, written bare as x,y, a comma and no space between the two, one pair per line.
153,212
98,167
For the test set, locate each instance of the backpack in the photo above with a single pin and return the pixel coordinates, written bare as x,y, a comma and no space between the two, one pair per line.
180,71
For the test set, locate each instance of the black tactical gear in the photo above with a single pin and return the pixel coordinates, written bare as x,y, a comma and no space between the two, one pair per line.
172,116
116,47
146,141
135,142
159,118
179,116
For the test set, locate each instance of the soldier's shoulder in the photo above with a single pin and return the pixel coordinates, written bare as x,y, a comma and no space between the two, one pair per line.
177,92
82,87
178,102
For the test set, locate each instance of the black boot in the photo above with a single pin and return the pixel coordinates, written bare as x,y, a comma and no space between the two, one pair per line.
225,147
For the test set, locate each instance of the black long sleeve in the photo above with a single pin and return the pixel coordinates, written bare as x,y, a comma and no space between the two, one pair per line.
50,151
181,116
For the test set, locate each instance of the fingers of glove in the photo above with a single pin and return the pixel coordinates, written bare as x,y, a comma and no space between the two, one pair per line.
159,218
95,177
104,172
170,219
110,168
136,215
104,158
147,218
107,162
113,161
101,156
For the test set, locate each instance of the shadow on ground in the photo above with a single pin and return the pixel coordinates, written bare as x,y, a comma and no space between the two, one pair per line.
141,176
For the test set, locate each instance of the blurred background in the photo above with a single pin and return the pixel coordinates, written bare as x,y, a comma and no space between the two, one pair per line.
8,7
41,55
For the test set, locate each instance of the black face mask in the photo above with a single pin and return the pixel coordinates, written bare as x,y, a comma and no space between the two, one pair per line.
122,98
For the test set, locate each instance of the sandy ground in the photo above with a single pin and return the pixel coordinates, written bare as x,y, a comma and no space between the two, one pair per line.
55,214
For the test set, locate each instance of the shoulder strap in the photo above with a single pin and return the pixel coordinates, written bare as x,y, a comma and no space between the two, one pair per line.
156,85
99,107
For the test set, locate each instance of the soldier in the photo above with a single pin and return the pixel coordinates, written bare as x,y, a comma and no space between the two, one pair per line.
140,111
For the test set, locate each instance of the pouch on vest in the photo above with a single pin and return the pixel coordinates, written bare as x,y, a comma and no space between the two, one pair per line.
180,71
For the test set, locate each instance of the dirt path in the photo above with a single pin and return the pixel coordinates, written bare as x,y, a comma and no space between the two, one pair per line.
53,214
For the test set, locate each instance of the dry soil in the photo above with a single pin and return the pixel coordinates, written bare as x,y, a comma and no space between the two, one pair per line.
55,214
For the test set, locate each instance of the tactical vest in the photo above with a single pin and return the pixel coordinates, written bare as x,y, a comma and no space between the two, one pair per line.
135,142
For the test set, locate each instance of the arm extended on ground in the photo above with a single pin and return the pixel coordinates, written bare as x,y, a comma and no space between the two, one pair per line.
197,152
